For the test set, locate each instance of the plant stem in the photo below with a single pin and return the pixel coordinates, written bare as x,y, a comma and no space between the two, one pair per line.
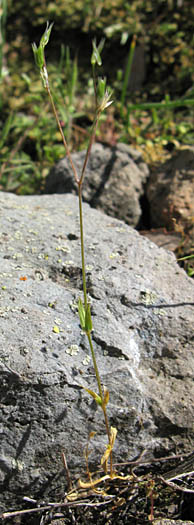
61,131
100,393
85,305
82,245
94,84
92,136
85,292
79,182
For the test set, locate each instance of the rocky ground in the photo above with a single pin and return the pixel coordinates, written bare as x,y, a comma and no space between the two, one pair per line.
142,308
158,203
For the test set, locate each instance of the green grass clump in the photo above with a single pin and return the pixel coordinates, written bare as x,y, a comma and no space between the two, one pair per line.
154,118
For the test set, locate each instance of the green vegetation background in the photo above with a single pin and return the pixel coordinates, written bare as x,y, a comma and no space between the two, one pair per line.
164,33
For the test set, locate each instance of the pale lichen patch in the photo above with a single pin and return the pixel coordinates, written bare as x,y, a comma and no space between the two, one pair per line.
72,350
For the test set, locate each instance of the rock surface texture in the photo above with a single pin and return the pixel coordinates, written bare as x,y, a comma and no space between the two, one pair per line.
142,306
114,181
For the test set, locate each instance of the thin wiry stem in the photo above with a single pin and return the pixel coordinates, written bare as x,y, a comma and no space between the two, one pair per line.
82,245
92,136
101,395
79,182
47,86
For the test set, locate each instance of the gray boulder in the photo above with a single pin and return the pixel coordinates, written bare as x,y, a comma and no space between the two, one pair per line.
142,307
114,181
170,192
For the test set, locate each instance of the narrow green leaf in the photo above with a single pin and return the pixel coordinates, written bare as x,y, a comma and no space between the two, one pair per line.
101,45
186,257
81,312
94,395
88,320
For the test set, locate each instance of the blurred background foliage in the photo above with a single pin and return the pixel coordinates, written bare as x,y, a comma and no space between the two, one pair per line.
148,59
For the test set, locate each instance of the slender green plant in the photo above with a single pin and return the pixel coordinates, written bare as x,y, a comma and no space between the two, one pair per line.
102,100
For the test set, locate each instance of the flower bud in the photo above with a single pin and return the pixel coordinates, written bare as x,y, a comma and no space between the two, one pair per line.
39,51
46,35
101,88
96,58
38,55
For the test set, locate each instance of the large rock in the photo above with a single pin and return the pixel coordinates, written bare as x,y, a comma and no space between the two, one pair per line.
114,181
170,191
142,306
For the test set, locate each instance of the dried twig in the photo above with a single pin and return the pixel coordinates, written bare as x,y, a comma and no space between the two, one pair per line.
149,462
54,506
69,482
175,486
